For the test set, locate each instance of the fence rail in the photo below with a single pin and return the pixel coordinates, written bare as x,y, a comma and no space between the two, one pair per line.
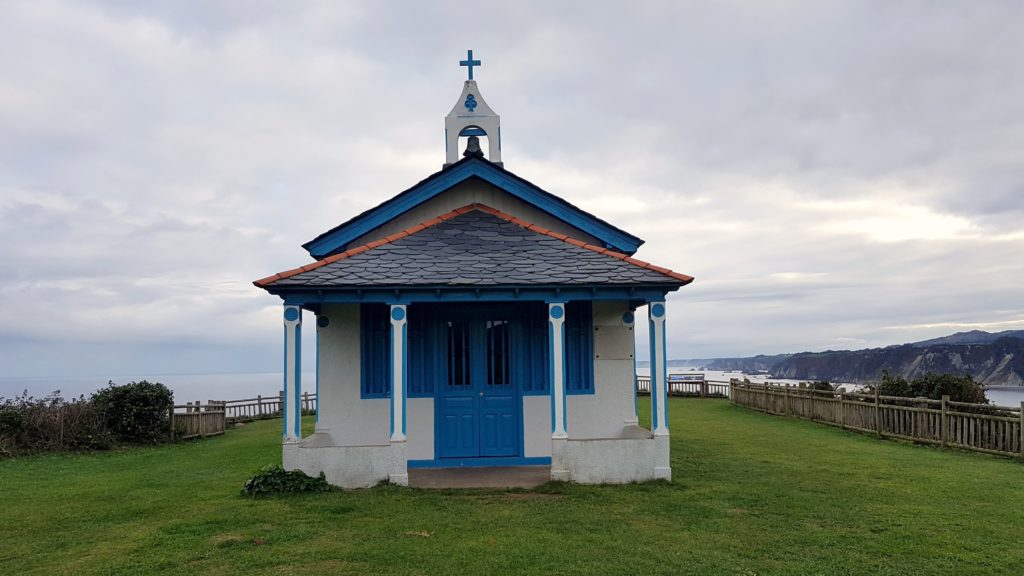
678,386
192,420
248,409
195,419
977,427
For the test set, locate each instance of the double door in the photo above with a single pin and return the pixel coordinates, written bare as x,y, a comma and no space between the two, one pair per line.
478,414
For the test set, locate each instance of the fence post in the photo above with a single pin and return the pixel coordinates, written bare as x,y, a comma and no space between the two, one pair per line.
943,424
259,405
171,420
878,415
1022,430
305,402
764,397
842,410
785,400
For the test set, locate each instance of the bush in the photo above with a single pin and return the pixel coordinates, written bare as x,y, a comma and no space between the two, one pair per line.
29,424
136,412
273,479
959,387
818,385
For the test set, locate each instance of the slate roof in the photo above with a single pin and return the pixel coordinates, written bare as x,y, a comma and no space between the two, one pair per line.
475,245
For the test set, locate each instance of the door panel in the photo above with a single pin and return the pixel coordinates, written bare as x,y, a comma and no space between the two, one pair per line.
477,401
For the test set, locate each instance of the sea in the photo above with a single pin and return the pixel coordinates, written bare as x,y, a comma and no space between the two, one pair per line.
203,387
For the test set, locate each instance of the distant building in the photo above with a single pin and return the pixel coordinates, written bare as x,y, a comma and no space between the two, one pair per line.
475,320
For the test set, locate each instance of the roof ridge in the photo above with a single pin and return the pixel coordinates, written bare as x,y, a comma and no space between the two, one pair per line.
458,212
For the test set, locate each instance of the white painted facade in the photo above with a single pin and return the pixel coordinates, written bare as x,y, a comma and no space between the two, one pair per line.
354,446
587,437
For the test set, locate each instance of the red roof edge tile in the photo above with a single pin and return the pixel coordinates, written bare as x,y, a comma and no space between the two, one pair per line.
457,212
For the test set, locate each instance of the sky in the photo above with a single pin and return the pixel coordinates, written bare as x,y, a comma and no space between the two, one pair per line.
836,175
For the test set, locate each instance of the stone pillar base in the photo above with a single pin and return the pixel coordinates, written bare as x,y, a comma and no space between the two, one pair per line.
399,474
559,470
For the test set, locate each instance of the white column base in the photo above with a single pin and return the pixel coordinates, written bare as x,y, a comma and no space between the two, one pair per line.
399,474
559,470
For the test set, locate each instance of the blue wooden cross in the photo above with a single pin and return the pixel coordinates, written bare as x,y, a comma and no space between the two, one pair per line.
470,63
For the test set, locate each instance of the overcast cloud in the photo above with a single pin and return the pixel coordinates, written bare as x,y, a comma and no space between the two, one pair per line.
835,174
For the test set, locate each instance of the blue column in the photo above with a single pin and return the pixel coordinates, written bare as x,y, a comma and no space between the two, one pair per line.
556,367
292,409
399,371
659,368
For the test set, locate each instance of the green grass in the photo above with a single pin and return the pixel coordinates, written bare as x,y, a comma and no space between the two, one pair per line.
752,494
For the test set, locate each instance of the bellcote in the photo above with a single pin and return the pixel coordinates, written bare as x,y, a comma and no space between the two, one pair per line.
471,116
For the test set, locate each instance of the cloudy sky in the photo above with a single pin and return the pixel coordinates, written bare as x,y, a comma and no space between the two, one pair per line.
835,174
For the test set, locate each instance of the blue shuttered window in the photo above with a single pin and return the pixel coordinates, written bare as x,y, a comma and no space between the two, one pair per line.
422,355
579,348
533,374
375,340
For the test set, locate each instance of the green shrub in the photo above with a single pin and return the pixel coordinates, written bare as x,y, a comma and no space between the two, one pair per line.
959,387
29,424
273,479
136,412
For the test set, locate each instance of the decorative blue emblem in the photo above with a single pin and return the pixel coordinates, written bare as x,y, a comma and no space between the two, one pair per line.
557,312
397,314
658,310
470,102
628,318
323,321
469,62
291,314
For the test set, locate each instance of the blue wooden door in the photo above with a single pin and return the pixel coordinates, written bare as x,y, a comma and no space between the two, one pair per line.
477,399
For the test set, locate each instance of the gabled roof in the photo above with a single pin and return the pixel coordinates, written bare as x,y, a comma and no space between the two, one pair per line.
475,245
472,167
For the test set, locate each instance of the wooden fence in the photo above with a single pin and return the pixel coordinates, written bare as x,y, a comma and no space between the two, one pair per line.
192,420
686,385
195,419
976,427
260,407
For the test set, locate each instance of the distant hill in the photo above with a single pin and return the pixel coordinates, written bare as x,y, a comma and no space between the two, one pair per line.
972,337
994,359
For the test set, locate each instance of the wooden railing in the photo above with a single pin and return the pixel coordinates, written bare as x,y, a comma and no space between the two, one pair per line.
681,385
976,427
248,409
193,420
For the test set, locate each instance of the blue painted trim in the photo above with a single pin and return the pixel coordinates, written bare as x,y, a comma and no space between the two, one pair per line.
316,381
405,373
336,238
565,397
476,462
284,383
654,373
552,293
536,393
551,369
298,379
472,131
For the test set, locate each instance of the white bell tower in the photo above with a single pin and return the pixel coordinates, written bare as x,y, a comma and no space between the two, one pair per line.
471,116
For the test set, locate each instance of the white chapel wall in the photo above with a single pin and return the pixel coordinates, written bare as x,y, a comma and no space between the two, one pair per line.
350,420
606,412
465,193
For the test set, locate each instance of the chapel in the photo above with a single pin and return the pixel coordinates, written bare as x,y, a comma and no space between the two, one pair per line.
475,319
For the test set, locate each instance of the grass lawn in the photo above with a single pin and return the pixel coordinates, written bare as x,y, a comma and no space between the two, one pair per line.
752,494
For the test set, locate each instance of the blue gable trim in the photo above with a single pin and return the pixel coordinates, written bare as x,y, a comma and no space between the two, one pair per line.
472,167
